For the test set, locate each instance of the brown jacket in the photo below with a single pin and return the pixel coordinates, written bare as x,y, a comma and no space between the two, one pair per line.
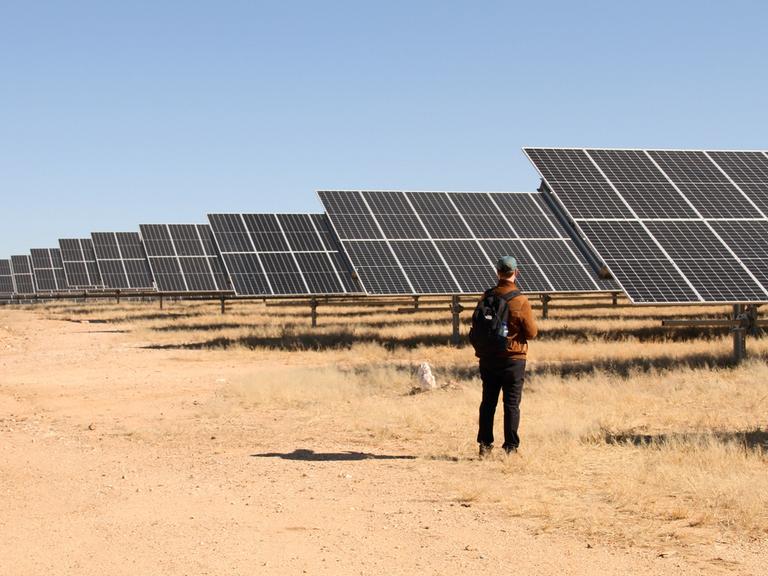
521,325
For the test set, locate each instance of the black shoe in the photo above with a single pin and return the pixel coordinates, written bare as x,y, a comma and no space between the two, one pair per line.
485,450
510,449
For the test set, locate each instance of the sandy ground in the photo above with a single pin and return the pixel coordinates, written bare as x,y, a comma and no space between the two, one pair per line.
116,459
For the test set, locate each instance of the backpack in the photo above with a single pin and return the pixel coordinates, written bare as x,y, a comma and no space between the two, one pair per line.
488,333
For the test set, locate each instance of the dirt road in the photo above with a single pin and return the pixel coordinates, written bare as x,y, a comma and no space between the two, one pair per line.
117,459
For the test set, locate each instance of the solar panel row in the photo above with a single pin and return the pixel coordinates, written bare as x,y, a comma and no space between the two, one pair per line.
672,226
79,260
121,260
21,269
183,258
448,242
6,280
281,254
48,270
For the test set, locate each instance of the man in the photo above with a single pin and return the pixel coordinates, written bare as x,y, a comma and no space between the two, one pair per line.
504,370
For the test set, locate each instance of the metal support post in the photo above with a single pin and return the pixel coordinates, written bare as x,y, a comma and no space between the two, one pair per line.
161,301
615,298
117,296
456,309
223,305
739,334
415,302
545,298
313,304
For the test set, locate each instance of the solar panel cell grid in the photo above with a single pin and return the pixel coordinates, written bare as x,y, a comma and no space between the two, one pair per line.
687,166
627,166
79,261
655,200
183,257
565,165
114,251
157,240
6,279
48,270
186,240
167,273
276,242
429,256
21,269
700,256
231,233
590,199
758,194
301,233
325,230
377,268
718,200
388,203
526,213
531,277
105,246
197,274
742,166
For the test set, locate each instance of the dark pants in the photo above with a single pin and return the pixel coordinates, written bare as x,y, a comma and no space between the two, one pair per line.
507,377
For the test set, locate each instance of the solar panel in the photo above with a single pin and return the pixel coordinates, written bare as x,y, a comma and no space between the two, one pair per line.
23,280
670,225
6,280
282,254
122,261
448,242
183,258
79,260
48,270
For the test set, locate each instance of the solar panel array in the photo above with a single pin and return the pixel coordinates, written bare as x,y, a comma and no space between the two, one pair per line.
21,269
671,225
6,280
48,270
183,258
79,261
121,260
281,254
448,242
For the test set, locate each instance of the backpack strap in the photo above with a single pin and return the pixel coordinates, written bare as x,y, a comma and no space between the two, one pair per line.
509,295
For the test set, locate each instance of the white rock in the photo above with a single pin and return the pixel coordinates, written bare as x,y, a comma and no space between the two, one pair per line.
426,378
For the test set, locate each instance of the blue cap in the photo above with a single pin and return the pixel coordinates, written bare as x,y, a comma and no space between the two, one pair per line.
506,264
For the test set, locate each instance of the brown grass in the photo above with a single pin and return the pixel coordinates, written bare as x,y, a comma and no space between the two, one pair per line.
630,431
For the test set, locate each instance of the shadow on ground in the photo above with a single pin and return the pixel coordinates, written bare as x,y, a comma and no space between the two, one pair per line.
305,455
750,439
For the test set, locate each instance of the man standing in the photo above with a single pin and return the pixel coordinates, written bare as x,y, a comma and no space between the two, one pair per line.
503,369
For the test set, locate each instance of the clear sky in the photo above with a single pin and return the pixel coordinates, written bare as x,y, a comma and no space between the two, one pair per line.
114,114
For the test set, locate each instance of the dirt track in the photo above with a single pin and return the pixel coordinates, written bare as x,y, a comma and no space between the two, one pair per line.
115,459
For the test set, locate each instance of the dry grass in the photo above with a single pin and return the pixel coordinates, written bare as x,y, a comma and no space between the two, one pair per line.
631,432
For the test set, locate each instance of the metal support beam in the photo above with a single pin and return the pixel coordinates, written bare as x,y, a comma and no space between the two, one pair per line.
415,302
117,296
545,298
161,301
456,309
739,334
223,304
313,305
615,298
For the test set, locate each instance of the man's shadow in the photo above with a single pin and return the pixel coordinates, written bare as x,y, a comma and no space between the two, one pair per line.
311,456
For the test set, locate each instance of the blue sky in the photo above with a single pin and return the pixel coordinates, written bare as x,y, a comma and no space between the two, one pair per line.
115,113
